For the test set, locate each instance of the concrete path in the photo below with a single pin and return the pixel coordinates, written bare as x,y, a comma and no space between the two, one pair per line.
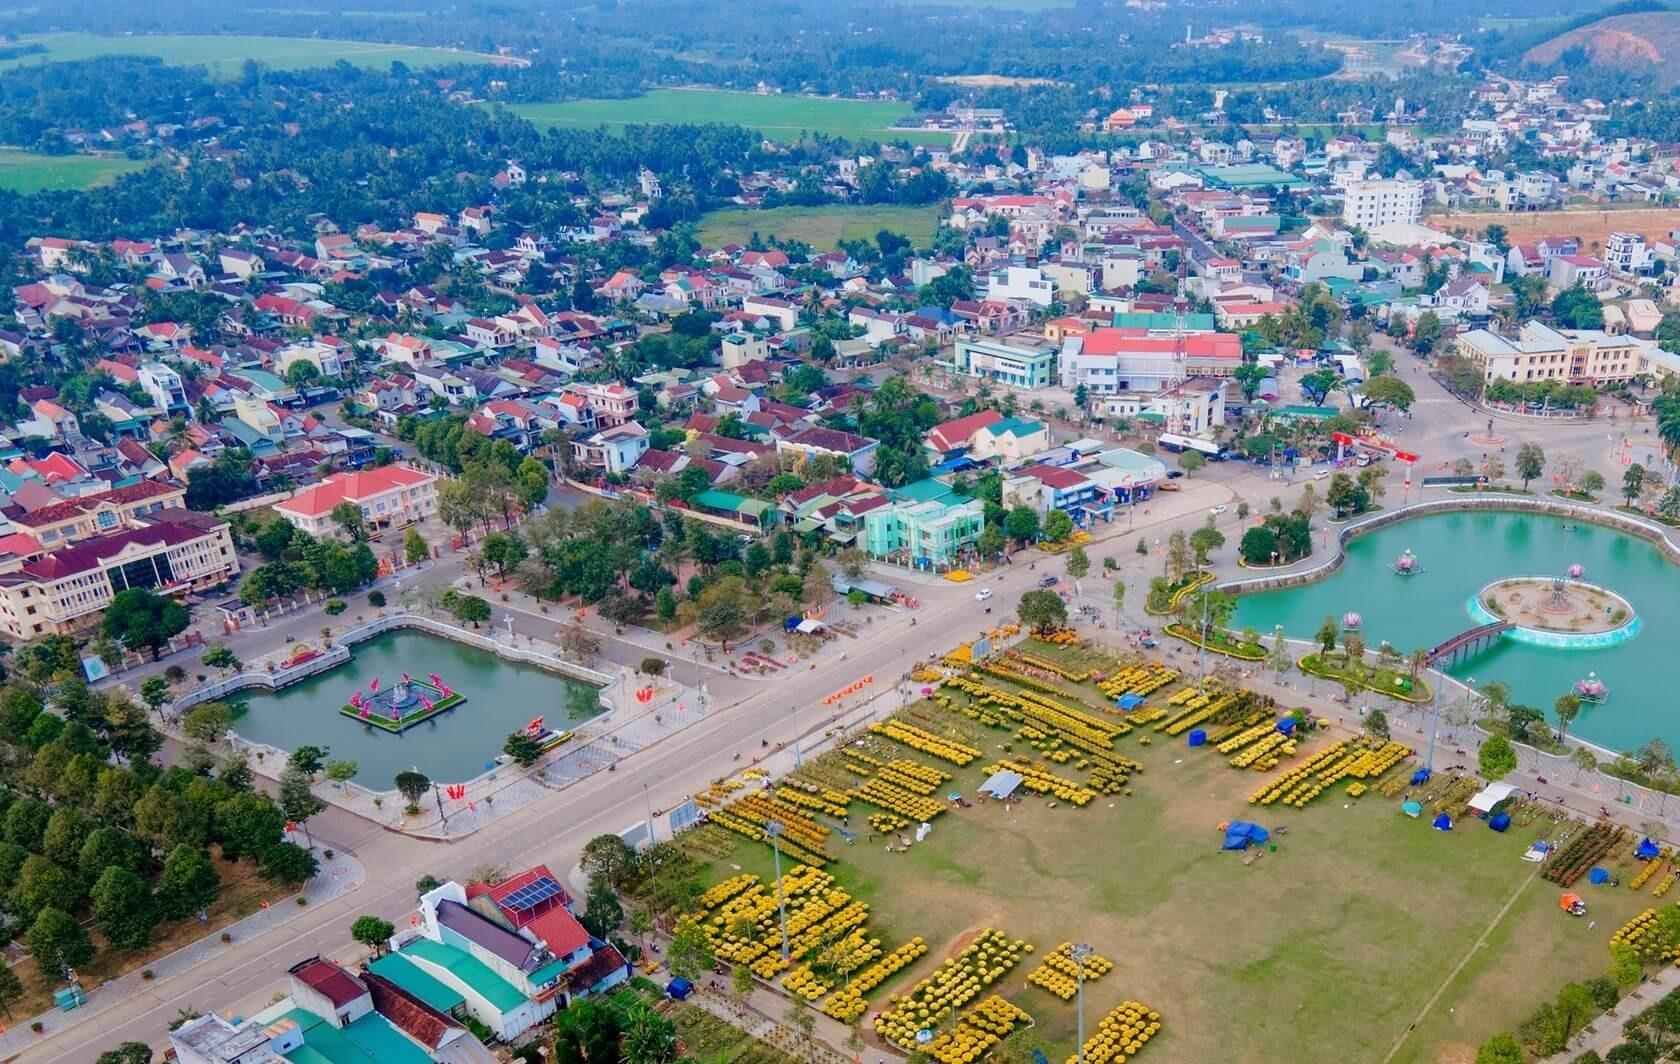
1605,1033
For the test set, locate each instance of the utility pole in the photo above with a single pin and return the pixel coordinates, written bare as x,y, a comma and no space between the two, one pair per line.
773,831
793,712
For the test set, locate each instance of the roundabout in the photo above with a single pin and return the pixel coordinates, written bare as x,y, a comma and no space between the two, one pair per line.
1563,614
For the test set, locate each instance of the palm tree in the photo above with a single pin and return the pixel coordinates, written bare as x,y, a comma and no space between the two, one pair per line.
1418,662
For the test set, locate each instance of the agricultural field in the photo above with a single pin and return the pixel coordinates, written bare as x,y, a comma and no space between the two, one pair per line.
27,172
821,227
1592,226
225,54
1352,925
776,117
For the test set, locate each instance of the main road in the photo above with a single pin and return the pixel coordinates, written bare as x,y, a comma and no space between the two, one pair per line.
244,978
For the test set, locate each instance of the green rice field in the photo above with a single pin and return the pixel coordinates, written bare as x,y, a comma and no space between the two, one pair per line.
225,54
777,117
26,172
821,227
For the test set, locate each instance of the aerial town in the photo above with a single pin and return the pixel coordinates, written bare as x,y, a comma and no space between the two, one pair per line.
792,549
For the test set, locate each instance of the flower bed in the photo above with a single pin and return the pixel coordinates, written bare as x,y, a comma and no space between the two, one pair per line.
1381,681
926,742
1121,1033
1058,973
848,1003
1647,872
914,807
977,1031
1219,642
1336,762
1177,592
1041,782
1142,679
951,986
1581,853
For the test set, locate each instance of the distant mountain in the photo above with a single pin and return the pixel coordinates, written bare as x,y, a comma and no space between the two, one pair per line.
1651,38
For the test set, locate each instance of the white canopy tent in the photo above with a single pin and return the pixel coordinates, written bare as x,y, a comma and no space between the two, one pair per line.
1490,796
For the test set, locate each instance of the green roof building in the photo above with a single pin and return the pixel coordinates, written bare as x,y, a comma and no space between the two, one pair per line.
925,524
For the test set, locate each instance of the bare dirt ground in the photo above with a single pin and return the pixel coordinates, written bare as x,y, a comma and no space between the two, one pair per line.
1590,225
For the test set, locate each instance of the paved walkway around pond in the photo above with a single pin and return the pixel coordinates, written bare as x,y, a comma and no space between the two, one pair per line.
337,877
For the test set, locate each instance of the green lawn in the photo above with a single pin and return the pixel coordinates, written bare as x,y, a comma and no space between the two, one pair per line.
225,54
777,117
821,227
26,172
1327,950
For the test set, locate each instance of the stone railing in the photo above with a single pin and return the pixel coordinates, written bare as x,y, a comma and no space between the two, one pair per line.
339,653
1638,526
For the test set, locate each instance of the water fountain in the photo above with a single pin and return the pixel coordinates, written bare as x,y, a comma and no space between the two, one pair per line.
1406,564
1592,690
403,704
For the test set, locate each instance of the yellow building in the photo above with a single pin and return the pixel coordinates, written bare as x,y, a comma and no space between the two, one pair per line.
169,552
1572,356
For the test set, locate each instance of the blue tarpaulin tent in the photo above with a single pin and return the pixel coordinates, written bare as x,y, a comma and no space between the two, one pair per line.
1197,737
1647,850
1240,835
1598,876
1129,701
1420,776
1500,821
679,989
1286,725
1443,822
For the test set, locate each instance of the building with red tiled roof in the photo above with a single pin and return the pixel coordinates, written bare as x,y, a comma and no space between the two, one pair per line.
958,435
389,497
73,520
68,589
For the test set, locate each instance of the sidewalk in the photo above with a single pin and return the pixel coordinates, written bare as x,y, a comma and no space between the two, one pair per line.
337,877
1605,1033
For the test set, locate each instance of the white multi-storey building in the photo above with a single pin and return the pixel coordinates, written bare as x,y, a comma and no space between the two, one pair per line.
1390,202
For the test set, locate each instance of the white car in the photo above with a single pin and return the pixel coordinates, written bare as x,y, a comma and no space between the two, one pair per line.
1217,510
1322,474
983,594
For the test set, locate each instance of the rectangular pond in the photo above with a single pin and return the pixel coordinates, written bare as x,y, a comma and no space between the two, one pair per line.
454,746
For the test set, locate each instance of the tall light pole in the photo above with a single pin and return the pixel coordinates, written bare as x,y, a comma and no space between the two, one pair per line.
1201,650
773,831
1435,716
648,798
1080,952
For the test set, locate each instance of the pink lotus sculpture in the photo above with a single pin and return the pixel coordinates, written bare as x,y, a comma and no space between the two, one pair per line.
1406,562
356,700
364,712
1577,571
373,684
425,703
405,678
1350,619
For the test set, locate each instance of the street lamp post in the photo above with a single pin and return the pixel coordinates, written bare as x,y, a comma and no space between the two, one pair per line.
1080,952
773,831
1435,717
1201,650
793,712
648,798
